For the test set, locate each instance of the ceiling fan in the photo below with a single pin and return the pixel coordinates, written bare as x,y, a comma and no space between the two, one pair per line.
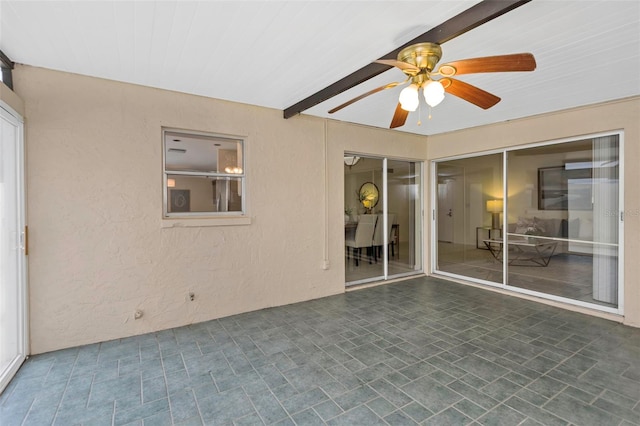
419,61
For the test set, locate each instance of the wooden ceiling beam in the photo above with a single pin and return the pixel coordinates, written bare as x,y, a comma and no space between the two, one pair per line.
469,19
6,65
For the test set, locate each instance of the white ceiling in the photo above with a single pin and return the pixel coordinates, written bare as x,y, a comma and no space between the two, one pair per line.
276,53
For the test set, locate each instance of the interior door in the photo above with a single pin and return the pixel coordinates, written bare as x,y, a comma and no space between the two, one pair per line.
445,211
13,339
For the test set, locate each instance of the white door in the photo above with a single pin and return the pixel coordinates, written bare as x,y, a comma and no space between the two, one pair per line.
13,303
445,211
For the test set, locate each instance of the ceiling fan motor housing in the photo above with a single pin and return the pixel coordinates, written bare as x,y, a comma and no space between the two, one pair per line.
423,55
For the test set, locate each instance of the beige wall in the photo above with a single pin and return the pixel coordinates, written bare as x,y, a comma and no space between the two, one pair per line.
98,248
10,98
619,115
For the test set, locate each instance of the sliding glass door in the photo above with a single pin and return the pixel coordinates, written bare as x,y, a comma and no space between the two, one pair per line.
465,226
383,218
555,235
563,238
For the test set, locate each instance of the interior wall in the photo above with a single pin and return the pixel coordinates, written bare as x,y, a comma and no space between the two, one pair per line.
99,249
9,97
608,117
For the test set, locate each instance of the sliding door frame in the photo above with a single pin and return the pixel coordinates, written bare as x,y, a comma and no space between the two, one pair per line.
433,270
419,164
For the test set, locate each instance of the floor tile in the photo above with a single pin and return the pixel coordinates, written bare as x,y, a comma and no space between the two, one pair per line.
328,410
502,415
448,417
268,407
578,412
431,394
400,418
307,417
361,415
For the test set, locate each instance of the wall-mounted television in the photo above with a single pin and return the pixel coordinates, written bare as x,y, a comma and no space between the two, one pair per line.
567,187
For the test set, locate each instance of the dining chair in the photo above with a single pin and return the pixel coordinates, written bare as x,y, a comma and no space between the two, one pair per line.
378,235
363,237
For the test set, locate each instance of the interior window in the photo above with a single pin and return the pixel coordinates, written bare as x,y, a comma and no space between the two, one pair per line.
203,174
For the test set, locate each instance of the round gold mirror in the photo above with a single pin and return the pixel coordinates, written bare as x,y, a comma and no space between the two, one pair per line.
368,194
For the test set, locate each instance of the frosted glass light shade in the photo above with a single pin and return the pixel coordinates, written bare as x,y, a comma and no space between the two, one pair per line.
351,160
409,98
494,206
433,92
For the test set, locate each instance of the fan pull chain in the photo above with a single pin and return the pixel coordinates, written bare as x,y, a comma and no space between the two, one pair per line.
429,112
419,114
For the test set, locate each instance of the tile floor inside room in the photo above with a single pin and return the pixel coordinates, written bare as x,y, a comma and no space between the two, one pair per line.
422,351
567,275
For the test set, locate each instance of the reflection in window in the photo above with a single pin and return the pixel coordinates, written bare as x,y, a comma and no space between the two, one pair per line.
203,174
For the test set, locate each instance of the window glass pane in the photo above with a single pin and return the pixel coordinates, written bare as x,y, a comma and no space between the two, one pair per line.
199,194
207,154
469,222
203,174
563,220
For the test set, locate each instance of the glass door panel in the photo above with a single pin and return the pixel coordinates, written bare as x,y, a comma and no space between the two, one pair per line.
363,201
404,249
468,218
563,220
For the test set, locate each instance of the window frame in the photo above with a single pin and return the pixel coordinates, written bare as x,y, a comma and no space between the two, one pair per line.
233,216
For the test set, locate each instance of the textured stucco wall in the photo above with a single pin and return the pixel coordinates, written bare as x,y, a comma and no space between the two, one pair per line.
11,98
98,247
619,115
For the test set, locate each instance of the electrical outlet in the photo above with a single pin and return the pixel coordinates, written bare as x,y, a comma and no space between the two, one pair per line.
192,296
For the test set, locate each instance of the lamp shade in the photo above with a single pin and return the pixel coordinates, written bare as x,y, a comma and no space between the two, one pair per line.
409,98
433,92
351,160
495,206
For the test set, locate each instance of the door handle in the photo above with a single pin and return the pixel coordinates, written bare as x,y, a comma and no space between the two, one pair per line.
25,241
450,213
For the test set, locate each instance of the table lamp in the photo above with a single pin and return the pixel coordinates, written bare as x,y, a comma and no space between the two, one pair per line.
495,208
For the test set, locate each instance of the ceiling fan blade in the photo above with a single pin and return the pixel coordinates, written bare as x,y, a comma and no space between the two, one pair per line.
398,64
501,63
399,117
364,95
469,93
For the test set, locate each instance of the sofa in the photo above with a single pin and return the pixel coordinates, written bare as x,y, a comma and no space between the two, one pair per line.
553,227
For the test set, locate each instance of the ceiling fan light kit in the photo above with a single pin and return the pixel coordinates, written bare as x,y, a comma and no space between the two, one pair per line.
351,160
418,62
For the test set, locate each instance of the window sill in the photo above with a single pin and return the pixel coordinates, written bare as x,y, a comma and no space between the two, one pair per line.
186,222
